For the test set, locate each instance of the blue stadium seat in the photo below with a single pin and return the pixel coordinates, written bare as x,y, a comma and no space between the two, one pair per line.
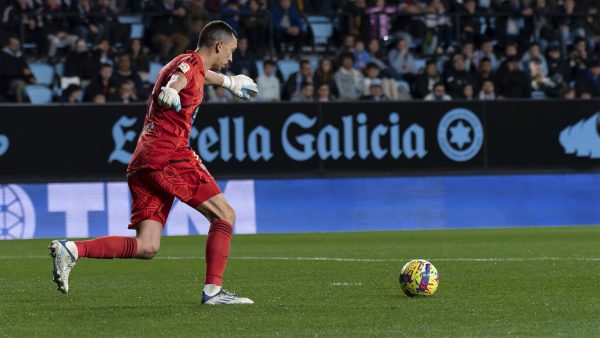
420,64
38,94
59,68
154,70
44,73
322,28
137,31
259,67
288,67
130,19
404,85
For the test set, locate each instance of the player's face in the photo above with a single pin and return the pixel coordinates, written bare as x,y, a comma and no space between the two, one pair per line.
225,53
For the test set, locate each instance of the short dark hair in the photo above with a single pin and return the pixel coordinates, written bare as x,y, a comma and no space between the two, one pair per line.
269,62
214,32
304,62
348,55
438,84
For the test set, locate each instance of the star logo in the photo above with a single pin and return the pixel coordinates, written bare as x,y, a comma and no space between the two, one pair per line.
460,134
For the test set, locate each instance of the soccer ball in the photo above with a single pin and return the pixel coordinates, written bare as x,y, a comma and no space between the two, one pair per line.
419,278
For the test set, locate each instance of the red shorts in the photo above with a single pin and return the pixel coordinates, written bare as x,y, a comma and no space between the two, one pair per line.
153,191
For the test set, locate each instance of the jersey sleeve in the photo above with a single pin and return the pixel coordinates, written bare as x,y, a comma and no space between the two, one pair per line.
187,66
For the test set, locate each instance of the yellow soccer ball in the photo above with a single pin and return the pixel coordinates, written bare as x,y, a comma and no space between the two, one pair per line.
419,278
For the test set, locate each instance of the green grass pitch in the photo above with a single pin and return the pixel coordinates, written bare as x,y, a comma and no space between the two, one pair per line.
498,282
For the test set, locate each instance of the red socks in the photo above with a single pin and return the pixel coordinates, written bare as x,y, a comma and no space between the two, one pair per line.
108,247
217,250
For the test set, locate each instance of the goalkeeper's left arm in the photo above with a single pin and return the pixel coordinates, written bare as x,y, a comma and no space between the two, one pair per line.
239,85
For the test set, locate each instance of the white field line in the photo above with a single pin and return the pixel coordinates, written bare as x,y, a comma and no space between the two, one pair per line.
367,260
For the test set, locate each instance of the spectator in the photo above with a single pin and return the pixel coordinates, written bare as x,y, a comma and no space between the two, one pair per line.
230,13
81,23
108,27
486,51
361,56
487,91
424,82
348,80
438,25
510,27
579,57
468,92
199,16
324,93
438,93
268,83
243,60
375,92
558,68
99,99
567,23
56,26
457,77
14,71
591,26
168,28
375,53
256,25
104,52
585,95
484,72
72,94
533,52
589,81
470,24
359,21
541,85
325,74
294,82
379,19
21,17
139,57
125,73
468,54
402,60
512,82
347,46
126,93
81,61
103,84
306,93
287,26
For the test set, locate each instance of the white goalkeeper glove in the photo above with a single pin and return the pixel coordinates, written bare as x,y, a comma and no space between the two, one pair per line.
240,86
169,97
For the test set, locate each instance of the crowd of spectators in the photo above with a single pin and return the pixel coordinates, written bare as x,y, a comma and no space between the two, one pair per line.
380,50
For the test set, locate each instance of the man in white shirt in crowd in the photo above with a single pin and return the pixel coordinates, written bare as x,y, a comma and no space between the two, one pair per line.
270,87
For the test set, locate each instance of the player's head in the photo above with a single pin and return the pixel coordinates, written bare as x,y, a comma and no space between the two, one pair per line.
220,40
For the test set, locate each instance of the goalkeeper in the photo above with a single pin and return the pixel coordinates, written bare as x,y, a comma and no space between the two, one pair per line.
163,167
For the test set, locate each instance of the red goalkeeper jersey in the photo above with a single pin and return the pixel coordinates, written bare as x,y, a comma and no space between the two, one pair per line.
166,133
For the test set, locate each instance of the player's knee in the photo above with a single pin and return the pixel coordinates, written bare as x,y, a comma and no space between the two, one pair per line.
148,250
229,215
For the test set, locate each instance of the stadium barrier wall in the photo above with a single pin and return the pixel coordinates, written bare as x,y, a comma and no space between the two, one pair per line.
58,210
95,142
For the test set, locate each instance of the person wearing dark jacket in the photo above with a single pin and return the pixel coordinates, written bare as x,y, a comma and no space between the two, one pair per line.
243,60
168,28
103,84
14,71
294,82
424,82
124,72
287,26
512,82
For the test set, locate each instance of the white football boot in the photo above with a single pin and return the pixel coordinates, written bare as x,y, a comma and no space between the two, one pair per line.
64,255
224,297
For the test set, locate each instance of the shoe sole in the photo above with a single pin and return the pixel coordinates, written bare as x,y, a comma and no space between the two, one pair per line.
53,248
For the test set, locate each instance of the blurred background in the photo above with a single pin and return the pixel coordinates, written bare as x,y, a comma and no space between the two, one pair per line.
372,115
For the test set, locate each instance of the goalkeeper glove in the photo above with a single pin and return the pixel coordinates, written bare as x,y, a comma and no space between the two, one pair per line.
240,86
169,97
